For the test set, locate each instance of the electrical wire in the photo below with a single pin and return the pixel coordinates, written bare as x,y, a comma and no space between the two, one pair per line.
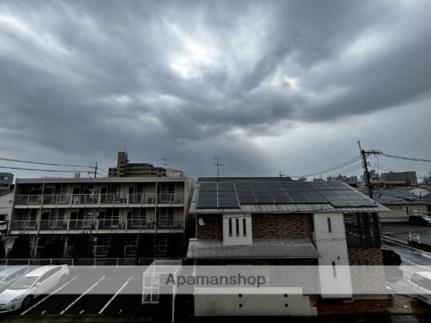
407,158
42,163
337,167
46,170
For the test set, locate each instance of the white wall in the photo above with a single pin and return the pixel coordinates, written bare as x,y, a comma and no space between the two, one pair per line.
237,227
208,303
334,271
6,205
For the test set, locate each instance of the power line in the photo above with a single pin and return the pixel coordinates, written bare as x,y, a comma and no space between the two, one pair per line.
42,163
329,170
45,170
406,158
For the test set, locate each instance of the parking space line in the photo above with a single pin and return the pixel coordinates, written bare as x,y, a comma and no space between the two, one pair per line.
45,298
427,269
115,295
82,295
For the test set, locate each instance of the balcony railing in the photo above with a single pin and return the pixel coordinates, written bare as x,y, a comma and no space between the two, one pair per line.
87,224
95,199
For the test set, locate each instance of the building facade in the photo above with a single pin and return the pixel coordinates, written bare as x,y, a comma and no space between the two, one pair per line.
126,169
6,181
271,221
102,217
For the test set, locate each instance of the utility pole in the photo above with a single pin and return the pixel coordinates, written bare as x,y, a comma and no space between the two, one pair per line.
365,154
95,171
218,165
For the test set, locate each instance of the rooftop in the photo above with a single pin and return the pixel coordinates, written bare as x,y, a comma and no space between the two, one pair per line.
275,194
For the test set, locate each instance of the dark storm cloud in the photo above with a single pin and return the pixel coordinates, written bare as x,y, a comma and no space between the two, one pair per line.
195,79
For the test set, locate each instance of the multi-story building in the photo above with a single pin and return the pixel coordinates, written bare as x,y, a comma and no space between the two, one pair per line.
102,217
272,221
6,180
126,169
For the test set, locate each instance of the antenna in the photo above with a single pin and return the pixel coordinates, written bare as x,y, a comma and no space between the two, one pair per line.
165,162
218,165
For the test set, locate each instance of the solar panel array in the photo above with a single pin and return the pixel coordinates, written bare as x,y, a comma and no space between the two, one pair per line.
225,194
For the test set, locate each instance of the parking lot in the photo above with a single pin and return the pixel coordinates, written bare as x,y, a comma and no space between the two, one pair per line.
97,292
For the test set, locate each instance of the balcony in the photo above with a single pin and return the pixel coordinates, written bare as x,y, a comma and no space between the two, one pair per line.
93,225
97,199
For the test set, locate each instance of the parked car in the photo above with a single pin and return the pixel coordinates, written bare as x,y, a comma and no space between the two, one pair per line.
390,257
10,274
420,220
421,284
21,293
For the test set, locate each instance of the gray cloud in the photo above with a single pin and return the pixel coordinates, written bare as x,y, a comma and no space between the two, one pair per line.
194,79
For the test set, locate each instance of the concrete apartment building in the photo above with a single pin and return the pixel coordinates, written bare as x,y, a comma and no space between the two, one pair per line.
274,221
6,181
102,217
126,169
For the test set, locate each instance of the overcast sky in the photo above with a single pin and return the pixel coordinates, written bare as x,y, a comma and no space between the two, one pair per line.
267,86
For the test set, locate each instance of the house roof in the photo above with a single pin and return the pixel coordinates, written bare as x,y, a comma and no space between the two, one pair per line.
277,195
261,249
398,196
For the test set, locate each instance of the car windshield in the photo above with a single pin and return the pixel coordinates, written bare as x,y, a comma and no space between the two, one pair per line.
24,282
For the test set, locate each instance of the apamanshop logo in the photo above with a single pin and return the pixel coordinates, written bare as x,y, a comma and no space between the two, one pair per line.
237,280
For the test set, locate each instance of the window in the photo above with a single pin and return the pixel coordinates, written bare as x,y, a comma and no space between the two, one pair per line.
329,225
237,227
244,227
230,227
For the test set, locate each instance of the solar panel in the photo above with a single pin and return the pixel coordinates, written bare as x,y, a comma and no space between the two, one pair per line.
226,194
207,200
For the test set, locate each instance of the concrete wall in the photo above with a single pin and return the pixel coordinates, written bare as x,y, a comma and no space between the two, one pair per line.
283,303
398,213
6,205
330,239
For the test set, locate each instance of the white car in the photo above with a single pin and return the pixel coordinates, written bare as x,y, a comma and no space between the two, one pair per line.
39,281
11,274
421,284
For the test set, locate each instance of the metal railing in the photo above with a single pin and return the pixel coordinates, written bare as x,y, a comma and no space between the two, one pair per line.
95,199
88,224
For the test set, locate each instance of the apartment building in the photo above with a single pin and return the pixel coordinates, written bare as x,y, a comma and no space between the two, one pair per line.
6,181
276,221
126,169
102,217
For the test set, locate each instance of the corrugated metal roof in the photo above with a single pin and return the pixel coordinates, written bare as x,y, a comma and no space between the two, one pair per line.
215,249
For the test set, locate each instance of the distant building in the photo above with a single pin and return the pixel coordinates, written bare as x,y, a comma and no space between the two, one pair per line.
6,181
351,180
126,169
392,178
408,178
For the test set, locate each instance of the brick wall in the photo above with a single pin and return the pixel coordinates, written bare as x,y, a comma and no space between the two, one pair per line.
212,229
365,256
282,226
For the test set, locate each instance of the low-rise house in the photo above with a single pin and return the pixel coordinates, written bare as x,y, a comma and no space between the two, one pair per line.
102,217
402,202
274,221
